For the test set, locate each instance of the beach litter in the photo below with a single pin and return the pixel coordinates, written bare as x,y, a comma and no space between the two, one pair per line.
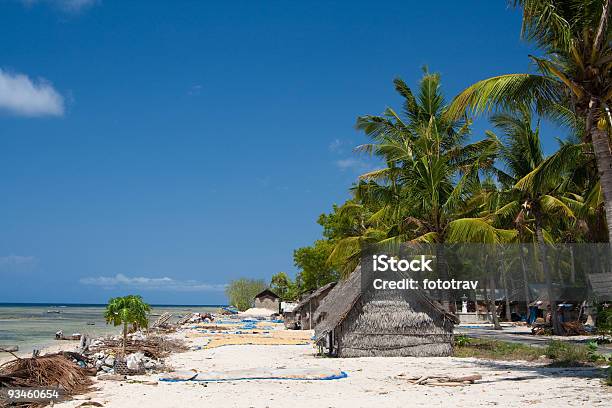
305,374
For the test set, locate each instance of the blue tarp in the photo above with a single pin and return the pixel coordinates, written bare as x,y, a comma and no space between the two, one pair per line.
331,377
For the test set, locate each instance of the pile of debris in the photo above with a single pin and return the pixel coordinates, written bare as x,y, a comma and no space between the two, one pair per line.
51,370
142,353
156,347
195,318
574,328
105,362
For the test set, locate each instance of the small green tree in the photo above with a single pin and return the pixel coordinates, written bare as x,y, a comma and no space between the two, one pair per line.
240,292
282,285
126,310
316,271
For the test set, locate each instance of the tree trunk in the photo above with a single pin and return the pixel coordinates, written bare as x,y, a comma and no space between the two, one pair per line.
525,279
496,324
506,291
601,147
557,328
125,327
572,265
487,302
558,263
442,269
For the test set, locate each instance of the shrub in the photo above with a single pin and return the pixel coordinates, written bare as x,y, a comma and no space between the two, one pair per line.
461,340
567,354
241,292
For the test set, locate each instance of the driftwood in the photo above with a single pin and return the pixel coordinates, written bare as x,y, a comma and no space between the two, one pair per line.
184,319
444,381
162,320
90,404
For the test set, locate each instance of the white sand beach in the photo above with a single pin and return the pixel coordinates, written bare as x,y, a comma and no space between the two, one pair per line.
371,382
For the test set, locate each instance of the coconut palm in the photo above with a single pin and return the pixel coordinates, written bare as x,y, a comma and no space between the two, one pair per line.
535,200
127,310
429,168
572,84
430,173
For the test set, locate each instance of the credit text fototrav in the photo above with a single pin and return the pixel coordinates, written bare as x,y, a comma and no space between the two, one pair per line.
384,263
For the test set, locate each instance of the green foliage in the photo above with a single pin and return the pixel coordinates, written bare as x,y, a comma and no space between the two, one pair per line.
566,354
462,341
571,87
342,221
127,310
241,292
562,353
436,187
282,285
495,350
592,353
316,271
604,319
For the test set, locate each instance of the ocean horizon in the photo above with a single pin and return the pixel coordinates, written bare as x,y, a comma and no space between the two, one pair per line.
33,325
69,304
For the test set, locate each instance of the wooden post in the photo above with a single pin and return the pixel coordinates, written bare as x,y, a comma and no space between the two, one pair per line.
310,314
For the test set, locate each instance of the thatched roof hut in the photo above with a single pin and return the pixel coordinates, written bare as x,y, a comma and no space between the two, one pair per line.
309,304
354,323
267,299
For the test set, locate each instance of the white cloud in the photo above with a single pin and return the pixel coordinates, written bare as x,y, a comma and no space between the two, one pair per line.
72,6
195,90
140,282
335,145
22,96
17,260
353,164
13,263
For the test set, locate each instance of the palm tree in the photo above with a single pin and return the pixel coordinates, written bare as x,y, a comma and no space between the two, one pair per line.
573,84
430,173
536,195
429,169
127,310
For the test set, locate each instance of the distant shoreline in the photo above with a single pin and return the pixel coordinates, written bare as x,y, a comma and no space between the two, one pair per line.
55,304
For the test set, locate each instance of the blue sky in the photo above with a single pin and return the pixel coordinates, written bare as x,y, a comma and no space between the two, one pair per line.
164,148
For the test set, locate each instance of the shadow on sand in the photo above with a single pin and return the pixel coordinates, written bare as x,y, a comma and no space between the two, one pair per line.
533,371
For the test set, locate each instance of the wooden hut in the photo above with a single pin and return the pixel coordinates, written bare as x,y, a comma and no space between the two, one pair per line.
267,299
353,323
307,307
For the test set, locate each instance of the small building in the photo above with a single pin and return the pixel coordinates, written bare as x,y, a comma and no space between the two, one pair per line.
355,323
309,304
267,299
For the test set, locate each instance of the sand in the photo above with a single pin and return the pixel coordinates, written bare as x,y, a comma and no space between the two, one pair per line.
370,382
256,312
60,345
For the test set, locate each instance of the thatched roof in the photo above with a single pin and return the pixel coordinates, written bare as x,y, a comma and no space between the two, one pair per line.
266,293
340,301
314,295
601,284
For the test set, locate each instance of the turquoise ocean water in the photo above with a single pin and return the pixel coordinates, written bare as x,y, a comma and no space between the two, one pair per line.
32,326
